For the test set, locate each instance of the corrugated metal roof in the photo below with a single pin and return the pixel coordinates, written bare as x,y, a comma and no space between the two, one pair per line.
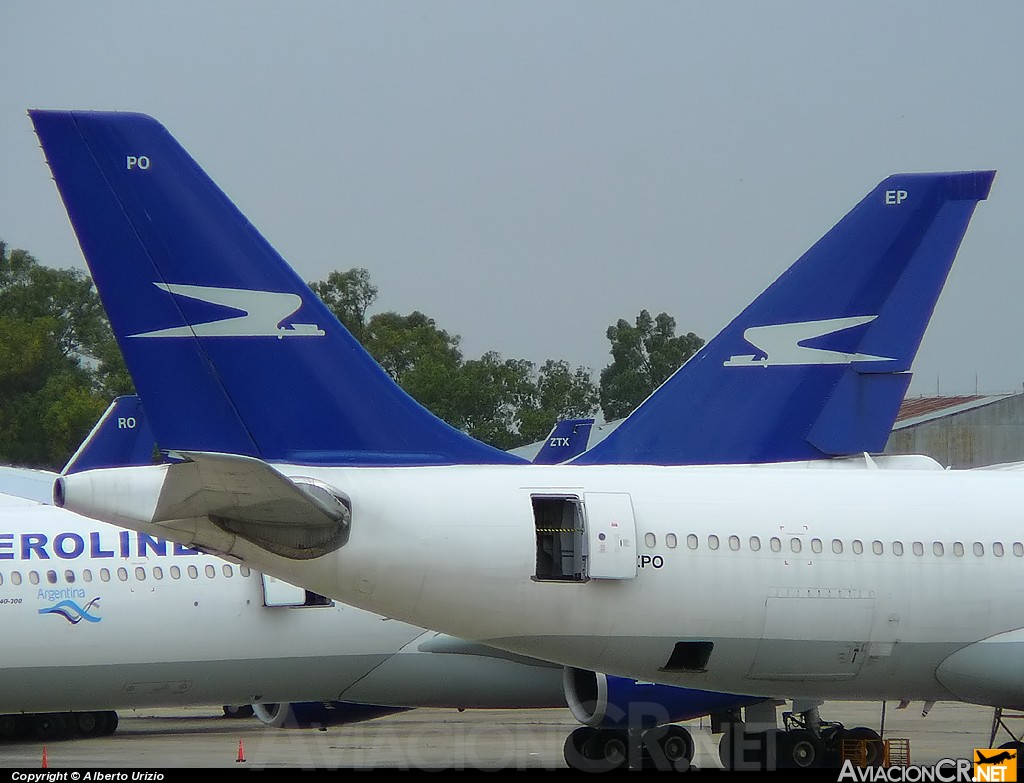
919,406
916,410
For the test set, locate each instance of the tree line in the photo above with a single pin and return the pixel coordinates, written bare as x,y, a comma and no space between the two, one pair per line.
60,365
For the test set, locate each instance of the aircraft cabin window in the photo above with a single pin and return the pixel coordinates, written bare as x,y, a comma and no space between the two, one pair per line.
816,546
755,543
795,545
244,570
650,540
86,575
897,548
1018,549
937,549
1,579
140,573
691,541
69,576
979,548
51,577
175,572
775,544
670,542
104,575
857,546
193,572
877,548
837,546
712,541
15,577
734,543
158,572
918,549
122,574
958,549
997,549
211,572
227,570
33,577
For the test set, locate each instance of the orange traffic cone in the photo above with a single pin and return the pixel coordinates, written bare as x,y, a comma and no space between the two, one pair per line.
45,764
241,752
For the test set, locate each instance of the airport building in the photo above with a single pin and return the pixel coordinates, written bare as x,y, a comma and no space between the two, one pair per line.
961,432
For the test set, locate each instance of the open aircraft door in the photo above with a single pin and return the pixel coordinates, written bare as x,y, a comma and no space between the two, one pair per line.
278,593
611,535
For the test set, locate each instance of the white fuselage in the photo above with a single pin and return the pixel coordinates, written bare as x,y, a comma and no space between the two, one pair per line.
919,575
96,617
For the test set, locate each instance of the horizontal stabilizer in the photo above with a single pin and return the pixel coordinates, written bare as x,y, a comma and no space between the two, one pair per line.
241,496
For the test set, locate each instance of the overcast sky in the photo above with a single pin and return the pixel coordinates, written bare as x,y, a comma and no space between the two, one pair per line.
527,173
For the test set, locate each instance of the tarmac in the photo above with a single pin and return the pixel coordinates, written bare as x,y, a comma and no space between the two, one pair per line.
427,739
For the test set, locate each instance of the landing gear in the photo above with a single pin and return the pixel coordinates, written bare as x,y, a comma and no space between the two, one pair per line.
668,747
874,748
49,725
92,724
596,750
800,749
13,727
804,742
88,723
58,725
238,711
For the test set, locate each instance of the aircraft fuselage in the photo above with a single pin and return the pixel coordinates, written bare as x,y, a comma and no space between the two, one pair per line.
861,585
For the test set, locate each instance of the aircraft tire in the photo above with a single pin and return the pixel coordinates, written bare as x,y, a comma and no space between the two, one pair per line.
88,724
675,747
49,725
874,746
594,750
13,727
800,749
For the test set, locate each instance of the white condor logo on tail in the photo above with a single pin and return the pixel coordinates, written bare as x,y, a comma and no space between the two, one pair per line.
780,344
262,314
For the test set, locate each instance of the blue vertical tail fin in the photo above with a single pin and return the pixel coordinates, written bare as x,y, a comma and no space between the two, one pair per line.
818,364
121,438
567,439
229,349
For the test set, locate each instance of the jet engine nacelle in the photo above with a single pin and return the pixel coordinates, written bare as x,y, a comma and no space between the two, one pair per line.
318,714
604,701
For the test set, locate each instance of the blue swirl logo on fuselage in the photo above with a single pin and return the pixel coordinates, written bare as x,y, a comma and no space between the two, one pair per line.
74,613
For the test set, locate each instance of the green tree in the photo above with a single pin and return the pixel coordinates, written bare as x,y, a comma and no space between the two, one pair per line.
59,363
562,393
349,295
504,402
421,358
491,394
644,355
